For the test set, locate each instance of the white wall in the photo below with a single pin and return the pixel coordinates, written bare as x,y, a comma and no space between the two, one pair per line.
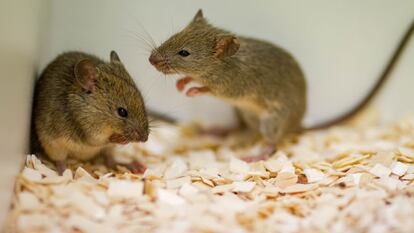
342,46
20,32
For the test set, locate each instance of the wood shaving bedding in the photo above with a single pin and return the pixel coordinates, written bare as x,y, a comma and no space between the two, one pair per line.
342,179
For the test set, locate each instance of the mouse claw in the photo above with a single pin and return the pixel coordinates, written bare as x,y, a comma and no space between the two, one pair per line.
181,83
60,167
197,91
266,153
135,167
252,159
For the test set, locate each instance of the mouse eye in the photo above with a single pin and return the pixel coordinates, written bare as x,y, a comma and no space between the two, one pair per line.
122,112
183,53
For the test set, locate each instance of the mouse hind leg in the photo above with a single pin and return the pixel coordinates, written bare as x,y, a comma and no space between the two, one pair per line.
250,124
56,152
273,127
251,133
218,131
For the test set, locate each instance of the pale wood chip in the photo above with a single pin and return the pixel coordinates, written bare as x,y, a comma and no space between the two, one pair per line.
207,182
239,166
273,165
170,198
243,186
88,226
258,169
313,175
31,175
177,168
81,173
285,179
222,188
298,188
383,157
177,183
125,189
399,168
380,170
408,177
188,190
28,201
408,152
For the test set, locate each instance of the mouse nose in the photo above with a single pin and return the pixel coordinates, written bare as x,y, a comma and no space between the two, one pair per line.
154,59
138,135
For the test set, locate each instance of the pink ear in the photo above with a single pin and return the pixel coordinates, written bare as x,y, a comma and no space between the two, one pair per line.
226,46
85,73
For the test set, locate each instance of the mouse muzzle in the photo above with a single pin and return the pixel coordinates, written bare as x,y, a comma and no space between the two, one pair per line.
160,63
133,135
155,59
136,135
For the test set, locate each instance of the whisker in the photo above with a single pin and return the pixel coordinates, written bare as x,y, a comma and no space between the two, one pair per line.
151,39
143,51
141,39
146,36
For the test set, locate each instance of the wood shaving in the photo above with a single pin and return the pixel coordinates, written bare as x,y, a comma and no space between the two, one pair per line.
243,186
341,179
313,175
399,168
380,170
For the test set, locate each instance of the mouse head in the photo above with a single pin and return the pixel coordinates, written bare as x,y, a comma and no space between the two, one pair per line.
109,106
198,45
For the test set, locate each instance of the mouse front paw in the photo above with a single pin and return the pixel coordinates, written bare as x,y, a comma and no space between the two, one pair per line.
197,91
136,167
181,83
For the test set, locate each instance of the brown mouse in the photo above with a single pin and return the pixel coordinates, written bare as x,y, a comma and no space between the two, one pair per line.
263,81
83,106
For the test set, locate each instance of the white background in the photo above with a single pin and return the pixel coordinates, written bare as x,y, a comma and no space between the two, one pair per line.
342,46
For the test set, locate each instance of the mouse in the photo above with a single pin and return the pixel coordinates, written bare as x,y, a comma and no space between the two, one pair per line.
83,107
263,81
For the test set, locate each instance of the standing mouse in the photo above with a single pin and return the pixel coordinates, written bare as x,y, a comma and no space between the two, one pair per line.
83,106
263,81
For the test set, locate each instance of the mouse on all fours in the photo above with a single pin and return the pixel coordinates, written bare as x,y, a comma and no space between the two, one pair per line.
263,81
84,106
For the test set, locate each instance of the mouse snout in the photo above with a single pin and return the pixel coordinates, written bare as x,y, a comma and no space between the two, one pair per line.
137,135
155,59
161,63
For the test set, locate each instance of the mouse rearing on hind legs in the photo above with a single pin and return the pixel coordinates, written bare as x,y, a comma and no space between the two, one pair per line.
263,81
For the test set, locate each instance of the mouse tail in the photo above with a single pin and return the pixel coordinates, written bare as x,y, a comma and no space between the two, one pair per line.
375,89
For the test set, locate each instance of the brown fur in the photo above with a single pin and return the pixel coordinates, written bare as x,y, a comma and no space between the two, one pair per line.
75,109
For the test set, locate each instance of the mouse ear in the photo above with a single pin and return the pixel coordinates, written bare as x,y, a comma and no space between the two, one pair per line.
226,46
85,73
198,16
114,57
